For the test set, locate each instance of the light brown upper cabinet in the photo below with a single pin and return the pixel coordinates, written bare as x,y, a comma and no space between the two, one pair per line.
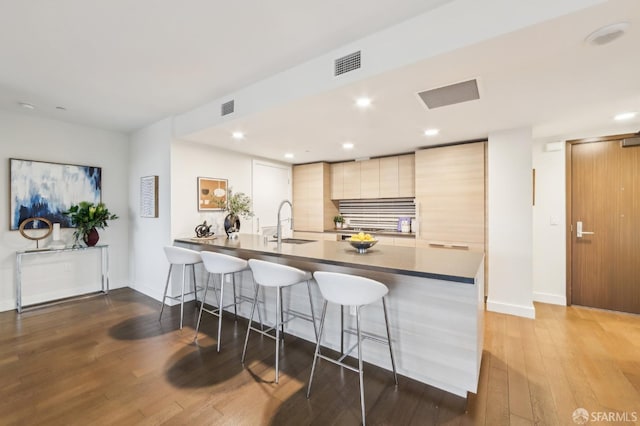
370,178
337,181
450,195
406,175
313,209
351,182
397,176
387,177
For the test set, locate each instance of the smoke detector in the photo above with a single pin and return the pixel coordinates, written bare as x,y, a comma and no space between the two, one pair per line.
607,34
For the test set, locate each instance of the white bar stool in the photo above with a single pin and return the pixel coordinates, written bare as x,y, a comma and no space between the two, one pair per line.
183,257
222,265
349,290
269,274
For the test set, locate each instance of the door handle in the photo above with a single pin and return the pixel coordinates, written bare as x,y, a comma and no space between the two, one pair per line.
580,232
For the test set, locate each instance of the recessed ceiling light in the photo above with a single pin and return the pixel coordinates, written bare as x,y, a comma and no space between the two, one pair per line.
431,132
363,102
607,34
237,135
625,116
288,155
347,145
26,105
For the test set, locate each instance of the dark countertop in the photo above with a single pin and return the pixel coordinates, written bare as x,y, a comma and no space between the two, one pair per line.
443,264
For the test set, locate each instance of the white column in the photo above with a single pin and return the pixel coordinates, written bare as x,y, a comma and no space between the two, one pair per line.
510,222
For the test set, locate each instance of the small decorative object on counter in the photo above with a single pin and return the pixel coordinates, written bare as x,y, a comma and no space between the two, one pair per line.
36,223
87,218
203,230
56,241
238,205
338,221
361,242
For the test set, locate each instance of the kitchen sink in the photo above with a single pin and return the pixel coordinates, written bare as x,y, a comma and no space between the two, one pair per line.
294,241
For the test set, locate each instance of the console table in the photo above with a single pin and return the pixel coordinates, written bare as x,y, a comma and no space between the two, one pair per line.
104,267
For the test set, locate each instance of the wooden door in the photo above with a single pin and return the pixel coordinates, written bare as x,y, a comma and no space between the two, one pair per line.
605,201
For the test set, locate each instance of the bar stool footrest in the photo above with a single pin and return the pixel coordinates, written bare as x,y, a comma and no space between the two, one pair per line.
338,362
178,298
368,336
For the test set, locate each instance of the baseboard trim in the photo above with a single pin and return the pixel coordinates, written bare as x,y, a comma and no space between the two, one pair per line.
148,291
8,305
553,299
511,309
157,295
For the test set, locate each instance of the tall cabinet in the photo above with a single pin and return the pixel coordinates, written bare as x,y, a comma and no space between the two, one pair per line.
450,196
313,209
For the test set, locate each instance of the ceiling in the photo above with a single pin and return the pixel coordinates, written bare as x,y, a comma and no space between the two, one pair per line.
122,65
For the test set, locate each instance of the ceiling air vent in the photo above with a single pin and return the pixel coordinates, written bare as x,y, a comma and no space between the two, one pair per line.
450,95
347,63
227,108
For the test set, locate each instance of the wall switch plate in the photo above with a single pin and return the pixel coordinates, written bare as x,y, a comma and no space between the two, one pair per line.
352,311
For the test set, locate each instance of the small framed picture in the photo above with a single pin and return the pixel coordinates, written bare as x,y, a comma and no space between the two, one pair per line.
212,194
149,196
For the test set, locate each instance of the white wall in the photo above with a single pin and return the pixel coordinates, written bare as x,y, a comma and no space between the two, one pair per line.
60,275
150,155
510,231
192,160
549,224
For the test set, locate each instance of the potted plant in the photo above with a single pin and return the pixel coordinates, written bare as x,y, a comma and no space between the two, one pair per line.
238,204
87,218
339,221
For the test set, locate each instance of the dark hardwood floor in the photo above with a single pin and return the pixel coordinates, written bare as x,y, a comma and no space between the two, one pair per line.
108,360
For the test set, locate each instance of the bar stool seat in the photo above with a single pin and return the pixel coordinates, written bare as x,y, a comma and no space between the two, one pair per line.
182,257
269,274
349,290
222,265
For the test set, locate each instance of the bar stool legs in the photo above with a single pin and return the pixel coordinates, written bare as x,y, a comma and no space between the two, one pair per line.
218,311
270,274
386,323
348,290
182,292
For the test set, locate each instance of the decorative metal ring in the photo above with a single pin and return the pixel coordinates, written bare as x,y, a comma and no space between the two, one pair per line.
35,219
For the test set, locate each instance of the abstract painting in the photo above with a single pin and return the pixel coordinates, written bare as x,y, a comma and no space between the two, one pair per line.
212,194
42,189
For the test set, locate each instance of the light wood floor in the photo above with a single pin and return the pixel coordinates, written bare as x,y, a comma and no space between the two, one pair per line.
107,360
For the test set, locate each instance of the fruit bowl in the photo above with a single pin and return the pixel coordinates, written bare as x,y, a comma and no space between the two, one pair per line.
362,246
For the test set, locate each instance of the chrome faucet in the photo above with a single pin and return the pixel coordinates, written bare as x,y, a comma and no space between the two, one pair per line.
279,228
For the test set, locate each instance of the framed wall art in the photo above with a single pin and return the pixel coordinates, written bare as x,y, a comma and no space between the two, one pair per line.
149,196
212,194
44,189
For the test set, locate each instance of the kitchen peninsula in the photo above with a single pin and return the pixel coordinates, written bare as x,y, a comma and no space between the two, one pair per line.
435,301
